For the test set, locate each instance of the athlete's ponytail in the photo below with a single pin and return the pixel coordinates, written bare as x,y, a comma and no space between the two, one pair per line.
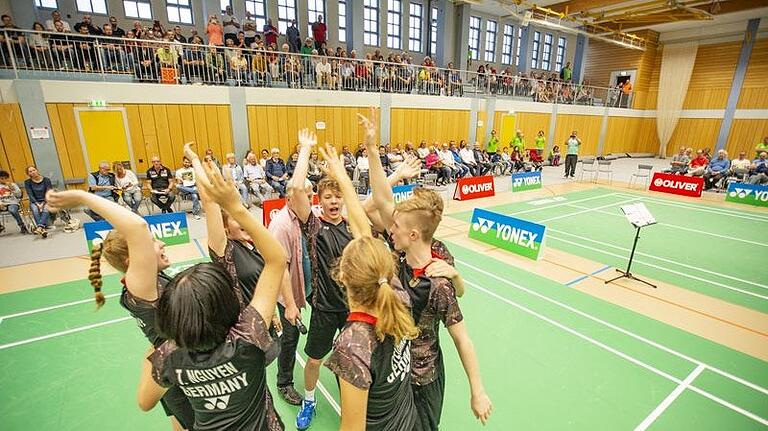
94,275
393,318
114,249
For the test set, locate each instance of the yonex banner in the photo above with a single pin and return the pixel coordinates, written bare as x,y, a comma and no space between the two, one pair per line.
474,187
512,234
750,194
526,181
677,184
403,192
168,228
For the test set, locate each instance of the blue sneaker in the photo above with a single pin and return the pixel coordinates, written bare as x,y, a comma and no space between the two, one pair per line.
306,414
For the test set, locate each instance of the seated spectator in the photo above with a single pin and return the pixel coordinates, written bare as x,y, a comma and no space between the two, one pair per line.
238,177
679,163
290,167
277,174
554,156
37,186
385,160
261,75
759,170
350,161
101,183
517,159
239,67
128,185
422,151
215,66
761,147
483,162
717,169
434,164
186,184
88,25
209,157
112,53
395,157
447,158
315,170
468,158
506,161
463,169
740,167
362,168
264,158
698,165
10,194
535,159
50,24
323,73
256,179
161,185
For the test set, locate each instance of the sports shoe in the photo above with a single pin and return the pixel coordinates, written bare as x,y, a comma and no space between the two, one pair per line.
289,394
306,414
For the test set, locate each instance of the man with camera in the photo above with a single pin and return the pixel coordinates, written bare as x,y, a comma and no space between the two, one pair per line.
572,154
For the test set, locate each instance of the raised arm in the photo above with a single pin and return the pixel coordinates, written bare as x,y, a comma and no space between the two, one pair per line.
382,220
141,276
224,192
358,222
300,203
382,191
214,223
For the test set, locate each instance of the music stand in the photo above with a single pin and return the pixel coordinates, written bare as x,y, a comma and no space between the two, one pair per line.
639,216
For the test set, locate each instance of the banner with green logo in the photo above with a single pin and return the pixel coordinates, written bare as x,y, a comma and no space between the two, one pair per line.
750,194
168,228
509,233
526,181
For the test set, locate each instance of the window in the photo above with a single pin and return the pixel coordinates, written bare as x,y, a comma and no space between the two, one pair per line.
474,37
316,8
519,42
546,56
490,40
258,12
179,11
286,12
535,50
137,9
394,15
224,4
47,4
342,20
506,44
371,22
415,27
92,6
433,32
560,56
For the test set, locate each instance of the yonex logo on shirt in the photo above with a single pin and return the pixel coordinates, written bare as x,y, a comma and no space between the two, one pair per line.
217,403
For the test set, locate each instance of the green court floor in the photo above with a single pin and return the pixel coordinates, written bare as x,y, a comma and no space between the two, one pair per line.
712,250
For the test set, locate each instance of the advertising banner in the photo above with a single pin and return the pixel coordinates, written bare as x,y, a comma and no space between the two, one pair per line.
677,184
526,181
474,187
750,194
509,233
168,228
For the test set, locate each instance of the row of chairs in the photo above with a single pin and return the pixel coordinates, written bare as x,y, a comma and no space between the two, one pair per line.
593,168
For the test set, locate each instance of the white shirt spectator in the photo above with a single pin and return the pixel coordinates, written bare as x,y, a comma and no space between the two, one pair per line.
323,68
254,172
50,27
467,156
362,163
740,164
249,28
230,28
129,182
422,152
446,156
186,176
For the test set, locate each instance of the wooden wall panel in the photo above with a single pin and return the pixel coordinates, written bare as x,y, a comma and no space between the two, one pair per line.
587,126
631,135
754,92
694,133
712,76
745,135
15,151
431,125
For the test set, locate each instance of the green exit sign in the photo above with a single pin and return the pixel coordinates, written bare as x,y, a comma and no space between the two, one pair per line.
98,103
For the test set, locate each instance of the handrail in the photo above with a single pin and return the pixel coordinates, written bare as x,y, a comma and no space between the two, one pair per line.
35,54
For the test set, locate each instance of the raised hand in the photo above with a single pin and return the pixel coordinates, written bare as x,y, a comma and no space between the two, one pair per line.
307,139
369,125
189,152
335,168
217,188
410,168
64,199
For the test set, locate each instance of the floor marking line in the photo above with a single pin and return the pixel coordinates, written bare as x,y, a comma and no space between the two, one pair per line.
659,259
586,276
619,353
67,332
320,386
54,307
586,211
619,329
561,204
704,206
199,247
685,228
651,418
679,205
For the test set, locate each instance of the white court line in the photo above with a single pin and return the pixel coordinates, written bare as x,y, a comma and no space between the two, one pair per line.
683,228
723,210
587,210
662,259
619,329
53,307
651,418
679,205
320,386
545,207
622,355
68,331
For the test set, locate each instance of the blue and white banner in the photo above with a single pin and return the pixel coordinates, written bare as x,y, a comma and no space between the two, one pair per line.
526,181
403,192
509,233
751,194
168,228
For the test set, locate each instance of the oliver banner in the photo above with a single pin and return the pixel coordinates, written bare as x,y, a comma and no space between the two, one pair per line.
677,184
512,234
168,228
474,187
526,181
750,194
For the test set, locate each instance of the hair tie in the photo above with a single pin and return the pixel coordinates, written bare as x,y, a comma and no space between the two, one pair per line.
382,280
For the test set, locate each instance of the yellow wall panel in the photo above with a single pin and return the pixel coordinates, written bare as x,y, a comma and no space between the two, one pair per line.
59,141
15,152
745,135
176,131
587,126
212,126
695,133
163,134
137,139
754,93
430,125
225,131
631,135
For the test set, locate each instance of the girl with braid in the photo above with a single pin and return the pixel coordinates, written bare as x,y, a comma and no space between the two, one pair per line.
371,356
143,277
215,350
433,285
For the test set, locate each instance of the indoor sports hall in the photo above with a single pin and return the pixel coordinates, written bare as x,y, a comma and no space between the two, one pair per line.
602,165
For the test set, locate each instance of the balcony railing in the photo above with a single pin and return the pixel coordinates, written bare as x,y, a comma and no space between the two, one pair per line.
48,55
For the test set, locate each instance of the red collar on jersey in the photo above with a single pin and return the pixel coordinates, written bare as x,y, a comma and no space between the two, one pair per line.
418,272
358,316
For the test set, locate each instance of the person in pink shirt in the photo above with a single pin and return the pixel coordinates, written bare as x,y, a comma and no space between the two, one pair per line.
215,31
434,164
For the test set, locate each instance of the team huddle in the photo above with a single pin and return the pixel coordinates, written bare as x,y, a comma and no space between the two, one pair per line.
377,282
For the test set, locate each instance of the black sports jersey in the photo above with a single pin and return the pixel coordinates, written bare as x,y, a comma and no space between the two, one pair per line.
144,311
244,264
381,367
227,387
325,243
159,179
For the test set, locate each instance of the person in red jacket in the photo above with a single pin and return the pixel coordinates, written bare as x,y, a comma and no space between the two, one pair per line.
698,164
319,32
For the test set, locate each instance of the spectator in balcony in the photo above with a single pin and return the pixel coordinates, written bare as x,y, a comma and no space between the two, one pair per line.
158,29
145,65
116,30
238,177
138,31
128,186
679,164
319,32
177,35
231,25
85,58
214,31
468,158
215,66
240,42
759,170
273,62
36,187
277,173
554,156
167,56
89,27
112,53
293,37
41,48
566,72
261,75
186,184
249,29
270,33
50,24
455,86
717,169
10,194
761,147
256,179
194,60
239,67
102,183
698,165
323,72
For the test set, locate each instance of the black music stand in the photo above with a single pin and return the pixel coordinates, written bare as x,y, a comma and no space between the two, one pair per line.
639,216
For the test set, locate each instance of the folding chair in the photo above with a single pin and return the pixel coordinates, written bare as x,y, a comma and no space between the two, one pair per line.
734,175
587,165
604,167
643,173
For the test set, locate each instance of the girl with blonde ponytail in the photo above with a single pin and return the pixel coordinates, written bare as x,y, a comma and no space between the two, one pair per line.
371,356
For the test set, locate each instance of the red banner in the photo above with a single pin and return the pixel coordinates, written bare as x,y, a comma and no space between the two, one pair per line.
474,187
677,184
271,207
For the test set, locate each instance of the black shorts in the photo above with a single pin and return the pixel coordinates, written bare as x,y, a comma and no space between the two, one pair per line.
176,404
323,326
429,400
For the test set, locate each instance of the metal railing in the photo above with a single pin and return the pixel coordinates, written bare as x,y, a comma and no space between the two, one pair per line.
53,55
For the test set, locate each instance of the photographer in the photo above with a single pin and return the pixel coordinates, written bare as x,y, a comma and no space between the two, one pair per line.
572,154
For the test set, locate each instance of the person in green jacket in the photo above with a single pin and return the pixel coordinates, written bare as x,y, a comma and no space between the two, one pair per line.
518,140
540,142
493,144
